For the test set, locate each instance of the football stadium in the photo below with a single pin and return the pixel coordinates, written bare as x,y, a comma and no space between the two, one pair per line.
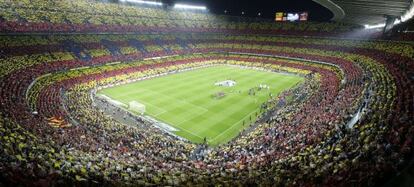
206,93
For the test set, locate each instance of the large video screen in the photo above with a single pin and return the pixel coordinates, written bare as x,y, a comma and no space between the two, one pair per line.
287,16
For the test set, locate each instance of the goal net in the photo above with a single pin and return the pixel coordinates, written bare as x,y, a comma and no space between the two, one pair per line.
137,107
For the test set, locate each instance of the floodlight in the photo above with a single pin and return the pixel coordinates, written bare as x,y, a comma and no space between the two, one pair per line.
143,2
407,15
184,6
380,25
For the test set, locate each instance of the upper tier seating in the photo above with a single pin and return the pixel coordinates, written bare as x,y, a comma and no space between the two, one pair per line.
52,133
92,16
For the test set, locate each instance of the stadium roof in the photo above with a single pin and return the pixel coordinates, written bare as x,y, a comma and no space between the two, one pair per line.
366,12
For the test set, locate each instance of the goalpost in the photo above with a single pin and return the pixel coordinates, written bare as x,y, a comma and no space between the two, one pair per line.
137,107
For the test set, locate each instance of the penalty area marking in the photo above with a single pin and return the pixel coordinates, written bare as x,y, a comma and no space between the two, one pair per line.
204,110
149,104
181,128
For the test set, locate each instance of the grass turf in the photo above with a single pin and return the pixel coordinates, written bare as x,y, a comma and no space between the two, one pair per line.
185,100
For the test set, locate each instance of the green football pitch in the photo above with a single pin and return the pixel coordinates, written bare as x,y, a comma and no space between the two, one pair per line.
187,102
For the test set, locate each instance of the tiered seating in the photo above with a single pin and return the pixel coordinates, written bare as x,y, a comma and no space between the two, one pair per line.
47,79
92,16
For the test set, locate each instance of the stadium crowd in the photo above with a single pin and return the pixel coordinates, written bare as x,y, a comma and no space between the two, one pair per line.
78,16
52,132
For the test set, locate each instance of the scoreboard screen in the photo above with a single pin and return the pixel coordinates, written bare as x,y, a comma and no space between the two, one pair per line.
279,16
285,16
303,16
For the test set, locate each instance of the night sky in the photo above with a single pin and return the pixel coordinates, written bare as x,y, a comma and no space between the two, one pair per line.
267,8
